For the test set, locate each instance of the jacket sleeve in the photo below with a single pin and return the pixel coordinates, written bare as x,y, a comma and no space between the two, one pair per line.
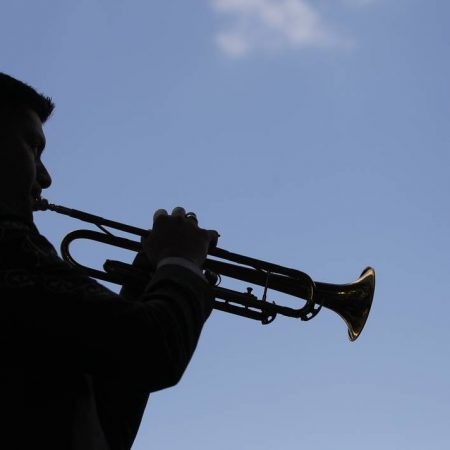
53,316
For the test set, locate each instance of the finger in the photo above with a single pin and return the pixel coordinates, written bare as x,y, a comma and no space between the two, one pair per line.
213,238
191,216
178,211
147,236
158,214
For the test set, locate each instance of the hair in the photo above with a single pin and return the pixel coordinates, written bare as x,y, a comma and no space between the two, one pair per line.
15,95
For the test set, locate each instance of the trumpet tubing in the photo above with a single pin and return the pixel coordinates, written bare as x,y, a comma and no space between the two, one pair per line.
350,301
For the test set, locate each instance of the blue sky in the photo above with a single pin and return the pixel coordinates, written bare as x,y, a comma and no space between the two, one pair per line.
313,134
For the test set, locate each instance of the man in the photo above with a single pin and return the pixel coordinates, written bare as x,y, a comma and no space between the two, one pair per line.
78,361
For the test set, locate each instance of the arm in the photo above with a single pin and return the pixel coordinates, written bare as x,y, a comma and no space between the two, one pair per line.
56,317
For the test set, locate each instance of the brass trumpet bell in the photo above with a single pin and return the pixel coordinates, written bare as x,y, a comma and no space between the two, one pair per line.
351,301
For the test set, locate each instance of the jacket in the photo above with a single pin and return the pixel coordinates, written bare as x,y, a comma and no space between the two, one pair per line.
77,360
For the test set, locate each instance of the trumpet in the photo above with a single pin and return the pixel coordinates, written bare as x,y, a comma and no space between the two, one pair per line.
352,301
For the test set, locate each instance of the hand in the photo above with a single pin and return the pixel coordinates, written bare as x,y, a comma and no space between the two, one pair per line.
178,235
141,264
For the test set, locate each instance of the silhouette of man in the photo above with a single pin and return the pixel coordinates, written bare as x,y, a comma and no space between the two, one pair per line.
78,361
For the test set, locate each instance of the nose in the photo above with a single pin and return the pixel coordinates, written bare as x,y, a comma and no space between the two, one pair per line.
43,177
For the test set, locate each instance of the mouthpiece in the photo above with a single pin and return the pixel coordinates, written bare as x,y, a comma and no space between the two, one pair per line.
40,204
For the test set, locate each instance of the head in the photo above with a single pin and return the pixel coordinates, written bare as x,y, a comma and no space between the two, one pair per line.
23,176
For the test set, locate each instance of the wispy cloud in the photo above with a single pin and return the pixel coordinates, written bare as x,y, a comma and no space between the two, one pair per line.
270,25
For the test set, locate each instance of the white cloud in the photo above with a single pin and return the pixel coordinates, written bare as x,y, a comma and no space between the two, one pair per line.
273,25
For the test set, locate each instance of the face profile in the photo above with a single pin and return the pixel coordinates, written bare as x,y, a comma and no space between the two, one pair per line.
23,175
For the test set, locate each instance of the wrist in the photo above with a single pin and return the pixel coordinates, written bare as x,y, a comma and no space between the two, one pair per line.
183,262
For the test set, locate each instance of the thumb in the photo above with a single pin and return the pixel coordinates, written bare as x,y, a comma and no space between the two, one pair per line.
213,238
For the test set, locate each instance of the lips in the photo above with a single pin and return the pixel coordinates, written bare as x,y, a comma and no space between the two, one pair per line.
35,198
